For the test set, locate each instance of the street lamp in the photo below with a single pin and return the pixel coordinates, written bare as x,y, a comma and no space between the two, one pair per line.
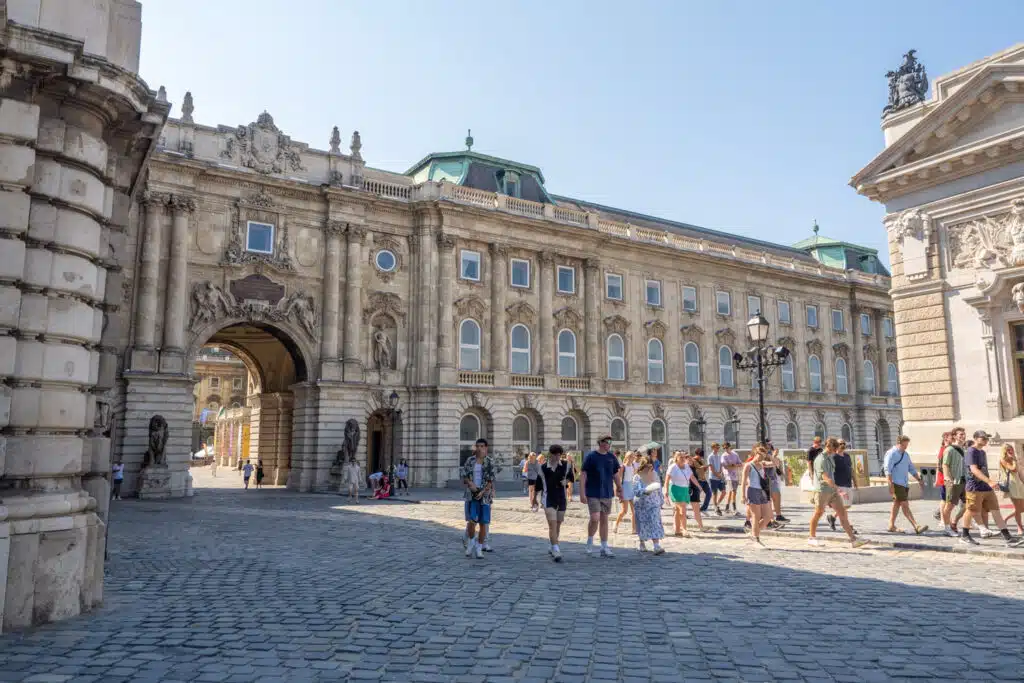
702,425
395,415
760,360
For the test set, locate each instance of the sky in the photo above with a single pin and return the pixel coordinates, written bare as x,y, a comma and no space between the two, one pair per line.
744,116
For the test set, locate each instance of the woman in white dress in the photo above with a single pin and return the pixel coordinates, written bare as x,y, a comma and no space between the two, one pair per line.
647,500
628,494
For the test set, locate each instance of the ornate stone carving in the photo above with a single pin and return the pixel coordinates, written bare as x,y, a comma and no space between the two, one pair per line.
187,107
814,346
989,243
521,312
546,258
870,352
658,410
655,329
788,342
791,415
210,302
725,336
356,145
356,232
908,85
819,416
261,199
153,200
1018,296
616,324
383,358
841,350
912,223
618,407
847,417
570,318
182,204
335,141
445,241
498,250
264,148
470,307
335,228
383,302
235,254
574,404
890,353
380,242
475,400
694,333
156,450
526,401
350,447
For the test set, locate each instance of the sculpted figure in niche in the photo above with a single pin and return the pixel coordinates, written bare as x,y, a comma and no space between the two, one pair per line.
382,355
351,444
301,306
156,453
1018,296
209,302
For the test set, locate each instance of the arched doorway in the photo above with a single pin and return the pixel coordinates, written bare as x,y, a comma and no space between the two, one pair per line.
883,438
383,440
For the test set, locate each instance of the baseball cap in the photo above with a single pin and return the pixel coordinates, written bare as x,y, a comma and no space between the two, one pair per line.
982,434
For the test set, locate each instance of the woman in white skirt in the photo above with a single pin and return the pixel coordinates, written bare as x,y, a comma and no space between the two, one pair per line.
628,470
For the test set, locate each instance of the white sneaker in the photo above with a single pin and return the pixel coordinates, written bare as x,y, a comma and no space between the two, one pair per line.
590,547
985,532
643,547
950,532
556,554
470,547
478,551
816,542
659,550
606,551
487,547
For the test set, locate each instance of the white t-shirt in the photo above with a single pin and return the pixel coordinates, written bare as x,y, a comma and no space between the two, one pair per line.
401,471
627,473
478,475
679,476
118,471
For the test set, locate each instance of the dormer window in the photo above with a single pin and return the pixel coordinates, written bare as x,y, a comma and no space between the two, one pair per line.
508,181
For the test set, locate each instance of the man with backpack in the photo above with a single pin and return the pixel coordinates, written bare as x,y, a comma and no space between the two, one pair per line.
898,467
954,480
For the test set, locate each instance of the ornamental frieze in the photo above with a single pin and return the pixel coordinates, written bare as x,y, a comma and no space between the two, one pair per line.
262,147
616,324
989,243
386,303
569,318
694,333
520,312
655,329
210,303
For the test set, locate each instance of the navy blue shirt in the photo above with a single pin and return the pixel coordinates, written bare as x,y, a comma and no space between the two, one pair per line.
843,474
600,469
977,457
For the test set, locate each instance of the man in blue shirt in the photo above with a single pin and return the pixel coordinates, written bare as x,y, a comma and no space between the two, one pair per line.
600,479
981,495
898,467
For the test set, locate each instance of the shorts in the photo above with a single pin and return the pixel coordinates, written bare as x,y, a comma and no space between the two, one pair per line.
955,493
900,494
554,514
732,485
982,501
532,482
694,493
679,494
717,485
599,505
478,512
757,496
828,497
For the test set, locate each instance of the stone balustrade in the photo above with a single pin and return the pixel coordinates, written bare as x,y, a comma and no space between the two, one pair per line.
527,381
477,379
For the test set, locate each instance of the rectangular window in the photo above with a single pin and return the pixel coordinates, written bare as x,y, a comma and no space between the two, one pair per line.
520,273
470,268
753,305
812,316
215,382
613,286
690,299
865,324
653,293
566,280
724,303
259,237
784,313
236,384
837,320
887,328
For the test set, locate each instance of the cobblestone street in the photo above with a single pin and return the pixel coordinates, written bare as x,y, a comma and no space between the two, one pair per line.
274,586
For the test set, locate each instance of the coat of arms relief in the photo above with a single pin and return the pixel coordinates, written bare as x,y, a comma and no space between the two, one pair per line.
989,243
262,147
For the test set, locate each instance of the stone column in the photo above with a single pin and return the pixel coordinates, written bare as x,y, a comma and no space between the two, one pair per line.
445,348
353,365
877,315
176,302
149,276
591,316
547,329
331,302
499,285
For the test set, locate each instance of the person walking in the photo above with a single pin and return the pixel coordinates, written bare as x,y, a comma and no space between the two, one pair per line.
732,463
828,496
898,467
522,474
570,477
717,477
776,475
756,491
628,492
478,475
700,470
532,470
600,480
246,473
647,505
353,479
551,477
213,461
940,477
116,479
677,489
401,478
1011,483
954,480
981,495
259,474
845,481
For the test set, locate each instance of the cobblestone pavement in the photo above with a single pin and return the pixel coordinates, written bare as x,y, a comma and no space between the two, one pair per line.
274,586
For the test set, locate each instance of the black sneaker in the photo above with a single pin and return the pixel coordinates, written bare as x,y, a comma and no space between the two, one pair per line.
746,525
832,522
967,539
718,511
1015,542
780,518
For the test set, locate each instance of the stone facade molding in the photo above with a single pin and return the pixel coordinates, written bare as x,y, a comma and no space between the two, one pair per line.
841,350
521,313
235,253
726,336
470,307
694,333
814,347
655,329
569,318
210,303
616,324
382,241
384,303
262,147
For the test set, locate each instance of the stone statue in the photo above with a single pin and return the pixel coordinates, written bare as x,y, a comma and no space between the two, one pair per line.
187,107
301,306
156,454
381,349
1018,296
335,141
908,85
208,303
351,444
356,145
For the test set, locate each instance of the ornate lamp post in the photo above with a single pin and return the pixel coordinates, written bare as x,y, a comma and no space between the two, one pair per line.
395,413
702,426
760,360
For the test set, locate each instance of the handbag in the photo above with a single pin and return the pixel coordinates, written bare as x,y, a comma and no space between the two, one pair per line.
806,482
1004,482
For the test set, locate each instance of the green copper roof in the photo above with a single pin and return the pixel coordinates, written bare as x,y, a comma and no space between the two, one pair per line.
474,156
816,241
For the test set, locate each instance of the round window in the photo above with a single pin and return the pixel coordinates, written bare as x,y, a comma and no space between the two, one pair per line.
386,260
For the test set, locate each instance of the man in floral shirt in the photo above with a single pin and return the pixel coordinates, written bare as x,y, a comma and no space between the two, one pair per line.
478,475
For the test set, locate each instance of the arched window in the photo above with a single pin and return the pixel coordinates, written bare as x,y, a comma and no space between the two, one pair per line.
731,433
820,431
814,369
659,433
470,430
789,377
694,434
522,434
616,357
469,345
655,362
520,345
570,434
792,435
892,379
726,378
842,385
869,377
691,362
619,433
848,435
883,439
566,353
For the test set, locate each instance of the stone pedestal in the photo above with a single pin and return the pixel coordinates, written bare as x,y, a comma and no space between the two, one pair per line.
155,482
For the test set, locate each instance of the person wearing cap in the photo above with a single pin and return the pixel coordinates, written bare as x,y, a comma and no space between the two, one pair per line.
600,480
898,467
981,495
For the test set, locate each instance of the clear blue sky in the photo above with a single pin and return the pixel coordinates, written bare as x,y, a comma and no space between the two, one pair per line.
745,116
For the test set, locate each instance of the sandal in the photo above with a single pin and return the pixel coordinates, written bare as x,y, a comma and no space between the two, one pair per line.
896,530
921,529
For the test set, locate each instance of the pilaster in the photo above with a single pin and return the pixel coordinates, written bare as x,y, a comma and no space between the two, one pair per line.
352,363
172,354
591,318
445,347
547,322
499,286
330,369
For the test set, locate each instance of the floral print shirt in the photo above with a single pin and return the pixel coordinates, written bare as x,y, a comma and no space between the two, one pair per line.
489,472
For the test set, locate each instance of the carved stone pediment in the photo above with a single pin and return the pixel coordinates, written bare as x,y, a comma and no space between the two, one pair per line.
725,336
618,408
210,303
655,329
236,254
386,303
471,307
788,342
989,243
870,352
814,346
819,416
890,353
262,147
616,323
658,411
694,333
569,318
847,417
521,312
791,415
842,350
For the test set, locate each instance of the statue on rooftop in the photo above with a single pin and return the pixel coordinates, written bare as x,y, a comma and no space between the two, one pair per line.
908,85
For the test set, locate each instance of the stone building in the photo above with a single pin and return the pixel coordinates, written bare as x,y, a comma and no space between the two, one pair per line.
221,381
951,178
